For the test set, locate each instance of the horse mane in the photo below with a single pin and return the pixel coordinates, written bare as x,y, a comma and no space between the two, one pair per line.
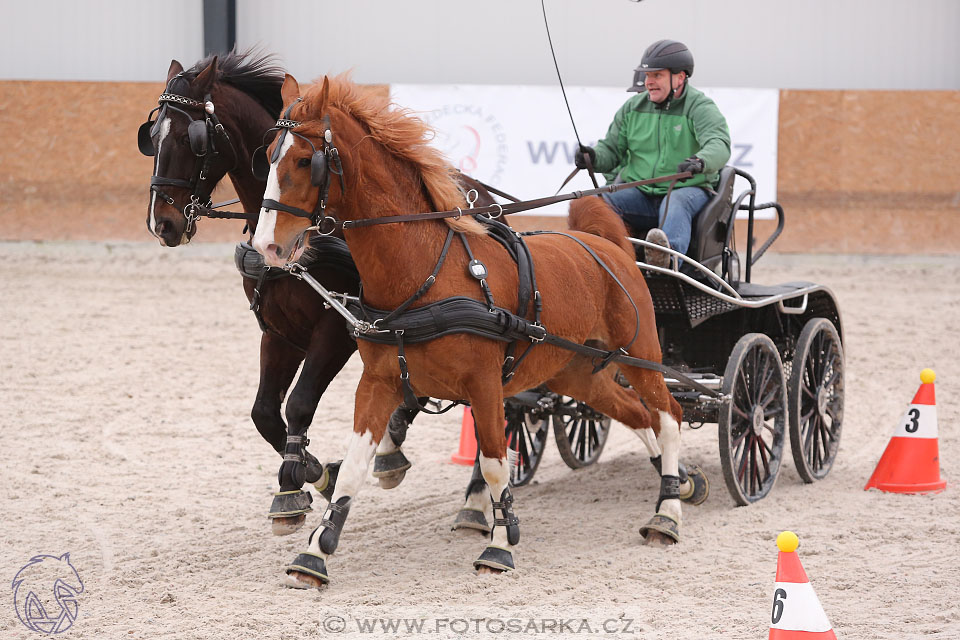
253,72
402,134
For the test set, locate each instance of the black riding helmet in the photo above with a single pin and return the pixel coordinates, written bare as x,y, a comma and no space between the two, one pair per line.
662,54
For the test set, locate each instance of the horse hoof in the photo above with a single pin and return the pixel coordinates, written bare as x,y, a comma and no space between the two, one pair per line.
285,525
471,519
297,580
662,531
496,558
391,481
390,464
699,486
307,571
657,539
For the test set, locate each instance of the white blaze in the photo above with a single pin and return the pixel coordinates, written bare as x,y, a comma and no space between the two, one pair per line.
164,130
268,217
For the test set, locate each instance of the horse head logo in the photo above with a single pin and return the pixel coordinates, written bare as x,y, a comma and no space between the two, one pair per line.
45,594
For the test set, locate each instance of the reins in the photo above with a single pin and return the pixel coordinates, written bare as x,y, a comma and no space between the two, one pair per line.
493,211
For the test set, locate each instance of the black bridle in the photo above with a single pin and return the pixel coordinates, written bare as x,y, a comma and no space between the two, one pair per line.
323,162
209,142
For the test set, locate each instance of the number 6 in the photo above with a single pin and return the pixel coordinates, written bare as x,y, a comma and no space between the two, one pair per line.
778,605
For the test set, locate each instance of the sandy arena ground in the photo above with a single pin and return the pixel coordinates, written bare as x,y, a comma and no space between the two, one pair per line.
127,372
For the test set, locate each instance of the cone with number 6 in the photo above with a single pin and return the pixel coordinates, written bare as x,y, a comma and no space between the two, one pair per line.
911,461
797,614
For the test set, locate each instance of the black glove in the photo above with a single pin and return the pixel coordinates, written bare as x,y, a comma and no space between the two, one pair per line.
693,164
580,161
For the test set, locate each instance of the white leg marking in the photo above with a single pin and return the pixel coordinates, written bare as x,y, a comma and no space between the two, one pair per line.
387,445
268,217
649,440
670,442
350,478
479,501
164,130
497,474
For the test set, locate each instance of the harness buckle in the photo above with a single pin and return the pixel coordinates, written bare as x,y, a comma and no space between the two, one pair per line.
537,340
499,213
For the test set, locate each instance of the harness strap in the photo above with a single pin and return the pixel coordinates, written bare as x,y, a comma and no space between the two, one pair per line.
426,284
636,312
620,356
410,400
483,282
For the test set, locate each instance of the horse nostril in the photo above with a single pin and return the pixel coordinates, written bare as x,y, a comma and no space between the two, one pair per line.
162,227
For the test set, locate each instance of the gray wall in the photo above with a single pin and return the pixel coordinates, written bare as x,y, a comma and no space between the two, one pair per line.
802,44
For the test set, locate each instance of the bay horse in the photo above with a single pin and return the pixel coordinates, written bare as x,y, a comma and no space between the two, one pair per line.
345,155
244,90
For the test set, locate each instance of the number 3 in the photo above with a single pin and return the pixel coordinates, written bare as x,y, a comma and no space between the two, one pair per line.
914,423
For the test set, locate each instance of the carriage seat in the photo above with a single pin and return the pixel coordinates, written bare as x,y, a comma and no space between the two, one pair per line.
709,233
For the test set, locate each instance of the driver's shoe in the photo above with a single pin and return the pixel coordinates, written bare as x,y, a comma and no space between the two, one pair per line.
654,257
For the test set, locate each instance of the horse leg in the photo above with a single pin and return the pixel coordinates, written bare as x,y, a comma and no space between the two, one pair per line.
487,406
390,465
664,527
375,399
602,392
278,365
327,353
476,503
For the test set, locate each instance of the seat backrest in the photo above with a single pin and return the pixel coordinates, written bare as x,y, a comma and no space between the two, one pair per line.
710,226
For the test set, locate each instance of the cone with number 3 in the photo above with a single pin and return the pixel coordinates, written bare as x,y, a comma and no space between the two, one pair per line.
797,614
911,461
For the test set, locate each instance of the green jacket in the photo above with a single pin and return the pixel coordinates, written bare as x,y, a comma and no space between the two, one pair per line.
645,141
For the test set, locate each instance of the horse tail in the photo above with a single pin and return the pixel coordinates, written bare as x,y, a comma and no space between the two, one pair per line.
593,215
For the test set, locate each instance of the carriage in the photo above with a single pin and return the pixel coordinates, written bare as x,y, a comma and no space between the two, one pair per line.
696,313
773,355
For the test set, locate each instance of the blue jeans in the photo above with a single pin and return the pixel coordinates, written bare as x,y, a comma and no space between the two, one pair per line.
644,212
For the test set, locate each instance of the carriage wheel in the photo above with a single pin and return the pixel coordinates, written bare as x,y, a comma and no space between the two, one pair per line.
753,422
816,399
580,432
526,437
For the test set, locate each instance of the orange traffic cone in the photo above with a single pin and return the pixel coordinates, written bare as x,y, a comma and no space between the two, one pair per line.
797,614
467,452
911,461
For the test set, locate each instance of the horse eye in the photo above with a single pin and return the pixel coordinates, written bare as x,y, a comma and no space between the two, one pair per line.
303,162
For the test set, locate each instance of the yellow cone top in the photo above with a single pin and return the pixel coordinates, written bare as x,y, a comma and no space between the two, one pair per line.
927,376
788,541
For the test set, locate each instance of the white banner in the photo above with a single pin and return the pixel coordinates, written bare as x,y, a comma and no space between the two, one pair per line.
519,138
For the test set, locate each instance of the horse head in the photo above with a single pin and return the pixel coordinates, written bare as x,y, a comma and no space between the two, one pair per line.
208,121
341,153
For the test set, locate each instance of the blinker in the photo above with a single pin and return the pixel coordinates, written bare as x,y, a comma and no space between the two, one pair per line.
197,133
318,169
145,140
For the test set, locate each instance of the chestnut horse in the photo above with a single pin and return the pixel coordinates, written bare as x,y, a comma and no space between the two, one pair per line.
380,164
244,89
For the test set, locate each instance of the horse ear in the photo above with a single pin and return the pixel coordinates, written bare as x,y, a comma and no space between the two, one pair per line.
290,90
324,94
175,68
206,77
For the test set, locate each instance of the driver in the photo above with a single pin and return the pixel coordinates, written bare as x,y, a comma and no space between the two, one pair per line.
669,127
